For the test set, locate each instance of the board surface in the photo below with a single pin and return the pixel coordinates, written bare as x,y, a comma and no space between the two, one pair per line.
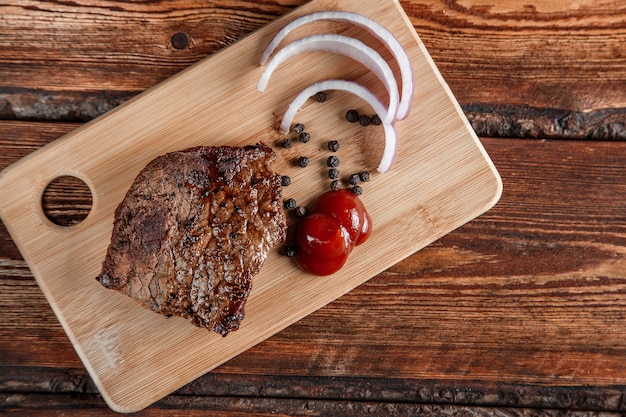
442,178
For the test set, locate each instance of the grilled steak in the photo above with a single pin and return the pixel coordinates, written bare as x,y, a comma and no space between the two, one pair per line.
194,228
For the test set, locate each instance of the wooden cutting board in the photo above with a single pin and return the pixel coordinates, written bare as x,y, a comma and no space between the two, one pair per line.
442,179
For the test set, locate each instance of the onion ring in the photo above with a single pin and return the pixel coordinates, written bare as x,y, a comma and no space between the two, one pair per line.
343,45
391,135
390,41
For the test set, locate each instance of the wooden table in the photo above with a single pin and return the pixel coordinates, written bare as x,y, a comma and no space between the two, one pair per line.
520,312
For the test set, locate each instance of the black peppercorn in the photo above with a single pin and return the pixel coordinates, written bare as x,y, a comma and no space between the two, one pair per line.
298,128
320,96
332,161
304,137
354,179
301,211
376,120
285,143
357,190
289,204
303,161
352,116
290,251
365,176
333,173
285,180
364,120
335,185
333,145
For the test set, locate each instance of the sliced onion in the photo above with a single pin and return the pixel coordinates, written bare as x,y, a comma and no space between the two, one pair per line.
390,41
391,136
350,47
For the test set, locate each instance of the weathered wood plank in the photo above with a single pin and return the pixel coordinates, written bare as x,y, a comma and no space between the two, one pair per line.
532,53
537,69
88,405
40,380
524,121
542,69
113,49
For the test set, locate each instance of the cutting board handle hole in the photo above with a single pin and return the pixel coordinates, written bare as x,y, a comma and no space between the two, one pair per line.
66,200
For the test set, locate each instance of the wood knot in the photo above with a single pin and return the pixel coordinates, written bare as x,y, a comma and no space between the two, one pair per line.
179,40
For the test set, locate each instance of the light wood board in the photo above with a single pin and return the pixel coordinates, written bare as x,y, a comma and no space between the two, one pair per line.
442,179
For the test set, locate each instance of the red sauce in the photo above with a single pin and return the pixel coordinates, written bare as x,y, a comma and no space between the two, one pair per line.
336,223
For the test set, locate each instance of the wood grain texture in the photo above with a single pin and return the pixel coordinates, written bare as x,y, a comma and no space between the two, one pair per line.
558,73
128,49
541,47
522,307
255,407
543,263
136,359
344,388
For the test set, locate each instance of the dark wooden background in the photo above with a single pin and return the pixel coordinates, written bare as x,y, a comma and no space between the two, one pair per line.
520,312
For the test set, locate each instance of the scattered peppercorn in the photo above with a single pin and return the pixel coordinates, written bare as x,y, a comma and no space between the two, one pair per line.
333,173
320,96
364,120
352,116
285,143
290,251
298,128
365,176
304,137
332,161
357,190
303,161
333,145
285,180
354,179
376,120
301,211
289,204
335,185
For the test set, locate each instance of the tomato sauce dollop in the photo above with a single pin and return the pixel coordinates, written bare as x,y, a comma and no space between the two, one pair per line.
336,223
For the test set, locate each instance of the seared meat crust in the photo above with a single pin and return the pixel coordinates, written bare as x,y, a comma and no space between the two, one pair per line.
194,228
